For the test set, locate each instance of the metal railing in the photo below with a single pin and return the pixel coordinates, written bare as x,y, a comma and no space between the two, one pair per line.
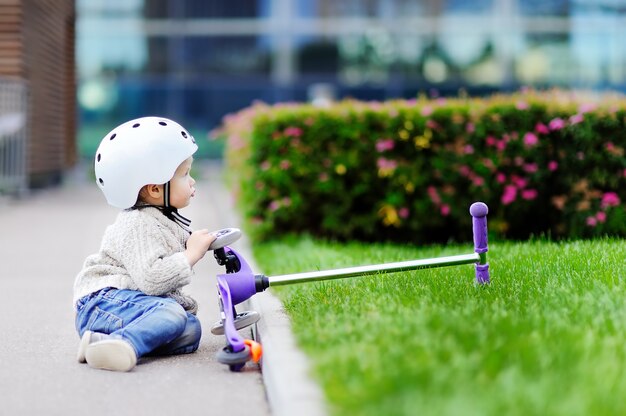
13,137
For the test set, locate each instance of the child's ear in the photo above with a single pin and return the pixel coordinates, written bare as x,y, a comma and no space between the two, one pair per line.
153,190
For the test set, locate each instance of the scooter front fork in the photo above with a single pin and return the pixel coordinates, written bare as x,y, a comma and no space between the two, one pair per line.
234,288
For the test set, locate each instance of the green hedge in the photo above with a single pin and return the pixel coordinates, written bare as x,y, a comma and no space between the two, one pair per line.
545,163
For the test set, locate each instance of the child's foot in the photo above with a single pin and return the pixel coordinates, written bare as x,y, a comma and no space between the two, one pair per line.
88,337
111,354
85,340
102,351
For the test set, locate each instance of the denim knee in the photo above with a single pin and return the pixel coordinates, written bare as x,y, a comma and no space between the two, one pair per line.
173,319
187,342
193,332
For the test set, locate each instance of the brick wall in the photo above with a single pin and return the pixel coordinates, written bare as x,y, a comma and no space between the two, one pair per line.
37,45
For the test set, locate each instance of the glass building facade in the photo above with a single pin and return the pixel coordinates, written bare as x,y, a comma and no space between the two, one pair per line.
197,60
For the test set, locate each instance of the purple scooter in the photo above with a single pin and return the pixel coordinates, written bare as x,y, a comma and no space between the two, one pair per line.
240,283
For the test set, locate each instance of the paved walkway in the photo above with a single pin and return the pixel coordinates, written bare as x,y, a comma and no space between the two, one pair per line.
44,238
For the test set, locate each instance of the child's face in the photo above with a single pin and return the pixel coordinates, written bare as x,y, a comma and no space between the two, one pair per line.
182,185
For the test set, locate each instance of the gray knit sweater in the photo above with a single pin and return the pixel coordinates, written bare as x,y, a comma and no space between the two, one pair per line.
142,250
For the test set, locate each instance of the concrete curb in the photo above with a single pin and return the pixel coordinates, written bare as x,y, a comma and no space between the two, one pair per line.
285,369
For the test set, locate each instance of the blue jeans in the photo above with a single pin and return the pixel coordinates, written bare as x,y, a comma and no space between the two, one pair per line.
153,325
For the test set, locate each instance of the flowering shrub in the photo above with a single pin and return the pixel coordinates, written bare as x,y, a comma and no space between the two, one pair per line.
402,170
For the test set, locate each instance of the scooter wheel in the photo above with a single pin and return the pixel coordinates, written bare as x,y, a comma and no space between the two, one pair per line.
242,320
235,368
230,358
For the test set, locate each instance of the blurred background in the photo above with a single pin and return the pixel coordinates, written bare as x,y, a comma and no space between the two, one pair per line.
75,69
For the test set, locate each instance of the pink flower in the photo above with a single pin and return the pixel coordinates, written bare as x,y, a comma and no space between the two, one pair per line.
265,165
284,164
431,124
531,167
383,163
529,194
530,139
464,170
293,131
427,110
610,199
553,165
500,177
386,167
470,128
521,105
445,210
491,141
556,124
403,212
323,177
509,195
501,145
591,221
274,205
519,183
477,180
236,142
576,118
609,146
468,149
488,163
601,216
541,128
587,107
384,144
434,195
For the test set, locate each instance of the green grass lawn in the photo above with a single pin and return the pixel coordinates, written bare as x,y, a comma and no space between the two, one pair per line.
547,337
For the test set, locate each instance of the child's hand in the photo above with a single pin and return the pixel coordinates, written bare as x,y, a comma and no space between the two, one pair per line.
197,245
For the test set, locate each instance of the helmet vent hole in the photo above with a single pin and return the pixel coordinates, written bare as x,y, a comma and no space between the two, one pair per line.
113,136
135,125
184,134
99,157
101,181
163,123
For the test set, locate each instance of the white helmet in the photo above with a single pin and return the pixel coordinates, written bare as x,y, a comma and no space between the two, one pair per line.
139,152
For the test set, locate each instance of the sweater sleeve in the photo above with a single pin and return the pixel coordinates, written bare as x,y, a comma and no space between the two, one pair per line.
153,258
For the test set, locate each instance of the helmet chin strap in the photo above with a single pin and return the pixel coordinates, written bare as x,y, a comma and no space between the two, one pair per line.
166,195
171,212
167,209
